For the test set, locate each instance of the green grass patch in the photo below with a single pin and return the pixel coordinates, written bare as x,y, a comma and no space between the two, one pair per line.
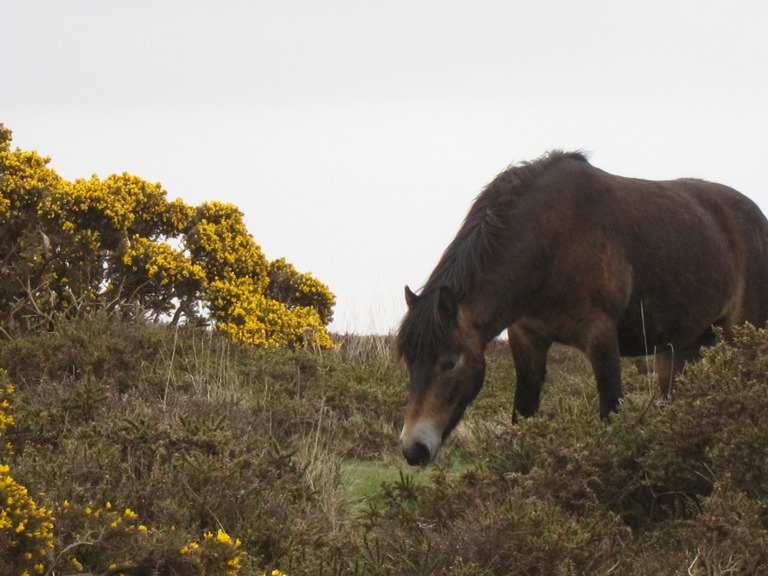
362,481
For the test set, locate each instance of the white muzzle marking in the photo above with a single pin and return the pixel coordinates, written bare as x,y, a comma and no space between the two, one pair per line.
422,432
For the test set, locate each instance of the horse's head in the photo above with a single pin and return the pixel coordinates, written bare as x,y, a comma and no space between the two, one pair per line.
446,366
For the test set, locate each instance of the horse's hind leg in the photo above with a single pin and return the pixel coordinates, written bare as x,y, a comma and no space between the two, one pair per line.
668,365
529,351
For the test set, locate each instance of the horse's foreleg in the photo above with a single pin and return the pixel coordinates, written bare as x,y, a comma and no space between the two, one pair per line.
529,351
602,349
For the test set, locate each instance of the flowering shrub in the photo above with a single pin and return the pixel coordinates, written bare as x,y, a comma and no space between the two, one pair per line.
70,248
239,283
26,529
103,534
248,316
215,554
218,240
26,179
297,290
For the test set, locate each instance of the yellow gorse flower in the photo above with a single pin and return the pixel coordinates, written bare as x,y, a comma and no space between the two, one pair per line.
190,548
216,553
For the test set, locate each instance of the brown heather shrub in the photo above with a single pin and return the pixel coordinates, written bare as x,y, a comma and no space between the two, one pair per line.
718,425
476,524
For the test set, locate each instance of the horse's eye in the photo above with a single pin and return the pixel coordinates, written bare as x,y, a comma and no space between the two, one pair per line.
447,364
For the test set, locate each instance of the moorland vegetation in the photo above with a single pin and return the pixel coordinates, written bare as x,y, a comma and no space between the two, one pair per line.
136,448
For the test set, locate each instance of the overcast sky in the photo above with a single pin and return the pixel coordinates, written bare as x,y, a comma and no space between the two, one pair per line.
355,134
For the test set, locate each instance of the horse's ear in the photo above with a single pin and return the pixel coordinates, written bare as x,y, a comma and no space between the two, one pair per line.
410,297
446,302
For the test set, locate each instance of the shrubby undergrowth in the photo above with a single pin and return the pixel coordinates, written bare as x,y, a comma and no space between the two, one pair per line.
661,489
152,450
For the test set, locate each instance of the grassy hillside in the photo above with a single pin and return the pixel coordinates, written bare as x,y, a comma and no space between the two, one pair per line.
178,453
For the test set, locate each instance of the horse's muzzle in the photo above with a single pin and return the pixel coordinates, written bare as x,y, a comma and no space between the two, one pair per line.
420,441
417,454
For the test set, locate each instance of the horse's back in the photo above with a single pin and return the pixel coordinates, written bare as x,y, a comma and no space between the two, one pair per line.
691,254
716,246
730,238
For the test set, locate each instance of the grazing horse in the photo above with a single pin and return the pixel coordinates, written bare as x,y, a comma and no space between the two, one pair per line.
557,250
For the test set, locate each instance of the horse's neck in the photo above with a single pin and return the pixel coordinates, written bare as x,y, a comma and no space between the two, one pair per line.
481,321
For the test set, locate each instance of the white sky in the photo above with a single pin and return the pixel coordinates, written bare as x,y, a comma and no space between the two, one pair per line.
354,134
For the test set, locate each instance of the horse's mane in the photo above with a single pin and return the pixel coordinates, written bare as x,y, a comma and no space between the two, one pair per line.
467,256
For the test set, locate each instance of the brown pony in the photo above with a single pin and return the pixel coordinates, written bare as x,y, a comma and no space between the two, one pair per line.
559,251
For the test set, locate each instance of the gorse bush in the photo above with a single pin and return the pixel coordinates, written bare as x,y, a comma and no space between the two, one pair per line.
26,528
118,244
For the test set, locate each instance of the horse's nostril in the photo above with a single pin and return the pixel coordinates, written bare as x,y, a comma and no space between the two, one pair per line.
417,454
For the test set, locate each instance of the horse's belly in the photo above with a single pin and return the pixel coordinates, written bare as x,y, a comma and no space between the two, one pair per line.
647,329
